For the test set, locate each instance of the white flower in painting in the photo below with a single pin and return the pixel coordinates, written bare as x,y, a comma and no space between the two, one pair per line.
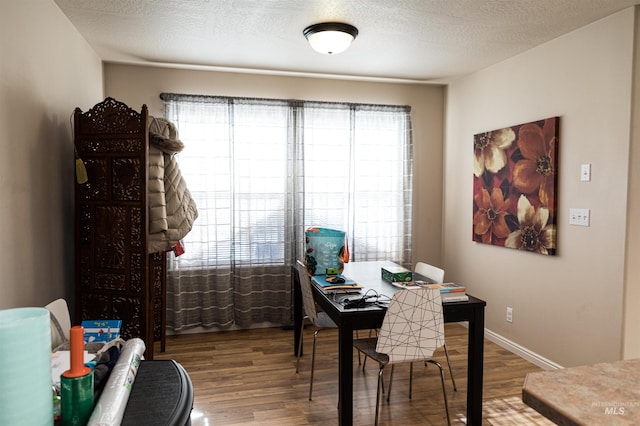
533,234
489,150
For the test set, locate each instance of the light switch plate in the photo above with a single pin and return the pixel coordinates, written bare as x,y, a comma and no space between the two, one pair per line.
585,172
579,217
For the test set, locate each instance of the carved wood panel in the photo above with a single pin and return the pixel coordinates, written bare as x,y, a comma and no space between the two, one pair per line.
115,277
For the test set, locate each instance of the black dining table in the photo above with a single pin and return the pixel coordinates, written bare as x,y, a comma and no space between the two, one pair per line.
368,275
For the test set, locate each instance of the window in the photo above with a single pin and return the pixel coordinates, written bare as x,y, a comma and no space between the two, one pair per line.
235,165
262,171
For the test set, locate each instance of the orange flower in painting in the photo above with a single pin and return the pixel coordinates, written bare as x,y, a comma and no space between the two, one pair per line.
489,219
537,170
489,150
534,233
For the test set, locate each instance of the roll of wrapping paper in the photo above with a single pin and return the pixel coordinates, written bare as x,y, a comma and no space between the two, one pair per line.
110,407
25,367
76,383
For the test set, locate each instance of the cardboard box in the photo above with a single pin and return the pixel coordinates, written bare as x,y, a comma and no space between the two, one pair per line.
396,274
101,330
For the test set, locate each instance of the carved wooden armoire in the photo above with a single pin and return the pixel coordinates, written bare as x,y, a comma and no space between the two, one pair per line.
116,278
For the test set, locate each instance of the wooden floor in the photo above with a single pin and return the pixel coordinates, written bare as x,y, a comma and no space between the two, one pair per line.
248,378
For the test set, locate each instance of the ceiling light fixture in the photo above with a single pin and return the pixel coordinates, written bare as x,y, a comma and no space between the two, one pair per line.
330,37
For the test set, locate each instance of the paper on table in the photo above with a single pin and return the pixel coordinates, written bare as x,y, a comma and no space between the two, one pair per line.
323,282
347,286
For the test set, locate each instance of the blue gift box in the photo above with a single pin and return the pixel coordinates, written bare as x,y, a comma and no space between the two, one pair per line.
101,330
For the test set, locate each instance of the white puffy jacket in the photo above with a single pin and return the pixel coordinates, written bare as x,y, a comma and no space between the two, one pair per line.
172,211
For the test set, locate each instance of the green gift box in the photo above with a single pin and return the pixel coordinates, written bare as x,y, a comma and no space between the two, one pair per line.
396,274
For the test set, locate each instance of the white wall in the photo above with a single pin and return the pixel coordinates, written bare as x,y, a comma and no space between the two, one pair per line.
46,70
136,85
566,308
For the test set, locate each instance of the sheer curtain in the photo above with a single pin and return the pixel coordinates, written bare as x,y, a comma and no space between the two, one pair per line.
358,176
262,171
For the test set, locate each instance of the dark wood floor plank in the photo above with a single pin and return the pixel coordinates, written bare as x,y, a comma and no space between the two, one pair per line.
248,378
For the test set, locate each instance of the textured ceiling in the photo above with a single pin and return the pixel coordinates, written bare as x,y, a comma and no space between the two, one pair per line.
415,40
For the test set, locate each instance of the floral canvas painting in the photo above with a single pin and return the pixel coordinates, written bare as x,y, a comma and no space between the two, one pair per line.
515,172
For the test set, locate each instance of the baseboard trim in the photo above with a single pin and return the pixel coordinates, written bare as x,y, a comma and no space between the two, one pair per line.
521,351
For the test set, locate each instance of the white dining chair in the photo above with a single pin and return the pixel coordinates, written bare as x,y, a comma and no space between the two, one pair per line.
60,322
320,320
437,276
433,272
412,329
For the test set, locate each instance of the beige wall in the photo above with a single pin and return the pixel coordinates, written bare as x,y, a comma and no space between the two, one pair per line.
136,85
631,340
46,70
567,308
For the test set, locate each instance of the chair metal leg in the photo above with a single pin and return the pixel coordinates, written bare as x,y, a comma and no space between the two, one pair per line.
390,383
380,385
444,392
378,392
446,353
410,380
313,362
300,345
359,360
364,363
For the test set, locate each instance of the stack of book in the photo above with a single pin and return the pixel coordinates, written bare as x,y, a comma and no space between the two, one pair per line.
333,284
451,292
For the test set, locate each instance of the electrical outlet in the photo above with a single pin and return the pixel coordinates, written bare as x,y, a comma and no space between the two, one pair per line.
509,314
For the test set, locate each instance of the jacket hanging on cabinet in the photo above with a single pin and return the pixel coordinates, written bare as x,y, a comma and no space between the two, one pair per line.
172,210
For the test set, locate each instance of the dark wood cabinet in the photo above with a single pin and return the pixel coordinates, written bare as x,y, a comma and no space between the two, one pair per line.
116,277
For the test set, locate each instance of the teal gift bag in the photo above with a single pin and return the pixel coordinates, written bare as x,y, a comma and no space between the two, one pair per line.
326,251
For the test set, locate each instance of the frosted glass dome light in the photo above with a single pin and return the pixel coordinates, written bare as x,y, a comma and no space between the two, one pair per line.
330,38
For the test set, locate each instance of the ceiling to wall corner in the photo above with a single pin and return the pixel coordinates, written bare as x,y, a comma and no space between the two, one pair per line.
399,40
